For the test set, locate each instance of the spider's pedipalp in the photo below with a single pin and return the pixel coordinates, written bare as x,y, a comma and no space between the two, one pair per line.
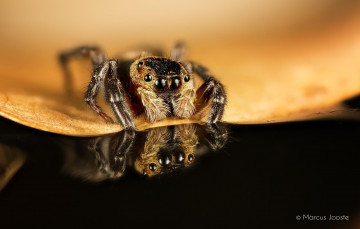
155,107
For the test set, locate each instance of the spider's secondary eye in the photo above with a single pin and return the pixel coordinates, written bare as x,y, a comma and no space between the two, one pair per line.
148,78
140,64
186,78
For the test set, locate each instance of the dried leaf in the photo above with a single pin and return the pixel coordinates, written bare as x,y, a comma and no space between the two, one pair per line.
265,82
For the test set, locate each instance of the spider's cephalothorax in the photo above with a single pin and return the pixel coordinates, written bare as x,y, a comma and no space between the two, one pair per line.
164,86
157,86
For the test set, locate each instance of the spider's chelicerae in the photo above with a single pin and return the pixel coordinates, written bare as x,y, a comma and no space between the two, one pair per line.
155,85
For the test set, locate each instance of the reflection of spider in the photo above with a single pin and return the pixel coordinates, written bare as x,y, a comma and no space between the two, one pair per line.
167,149
157,86
157,151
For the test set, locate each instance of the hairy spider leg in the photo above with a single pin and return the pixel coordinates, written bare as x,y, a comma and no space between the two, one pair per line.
117,148
210,91
96,147
124,146
112,152
97,79
214,135
178,51
94,53
115,96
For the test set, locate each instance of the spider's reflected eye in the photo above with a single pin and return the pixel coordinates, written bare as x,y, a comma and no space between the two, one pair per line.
140,64
148,78
186,78
152,166
191,157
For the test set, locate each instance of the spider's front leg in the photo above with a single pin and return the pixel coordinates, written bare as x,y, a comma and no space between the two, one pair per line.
211,91
97,79
116,97
108,71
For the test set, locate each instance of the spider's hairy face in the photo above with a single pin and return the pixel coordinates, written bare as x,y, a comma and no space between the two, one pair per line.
169,159
164,87
159,74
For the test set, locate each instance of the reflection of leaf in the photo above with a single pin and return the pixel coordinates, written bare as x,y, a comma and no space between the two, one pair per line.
11,160
263,86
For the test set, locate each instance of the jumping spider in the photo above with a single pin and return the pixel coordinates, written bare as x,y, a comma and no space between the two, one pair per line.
157,86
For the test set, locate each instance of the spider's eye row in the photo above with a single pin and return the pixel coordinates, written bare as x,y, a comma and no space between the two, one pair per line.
140,64
148,78
186,78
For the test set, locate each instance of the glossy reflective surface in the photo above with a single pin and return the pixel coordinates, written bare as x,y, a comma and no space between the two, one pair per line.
260,176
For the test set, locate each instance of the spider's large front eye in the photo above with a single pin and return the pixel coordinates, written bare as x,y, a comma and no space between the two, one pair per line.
186,78
140,64
160,83
148,78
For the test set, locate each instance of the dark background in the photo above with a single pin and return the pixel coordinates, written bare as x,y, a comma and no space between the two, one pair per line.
264,177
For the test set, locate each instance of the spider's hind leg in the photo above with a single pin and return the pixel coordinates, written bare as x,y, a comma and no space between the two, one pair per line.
178,51
94,53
